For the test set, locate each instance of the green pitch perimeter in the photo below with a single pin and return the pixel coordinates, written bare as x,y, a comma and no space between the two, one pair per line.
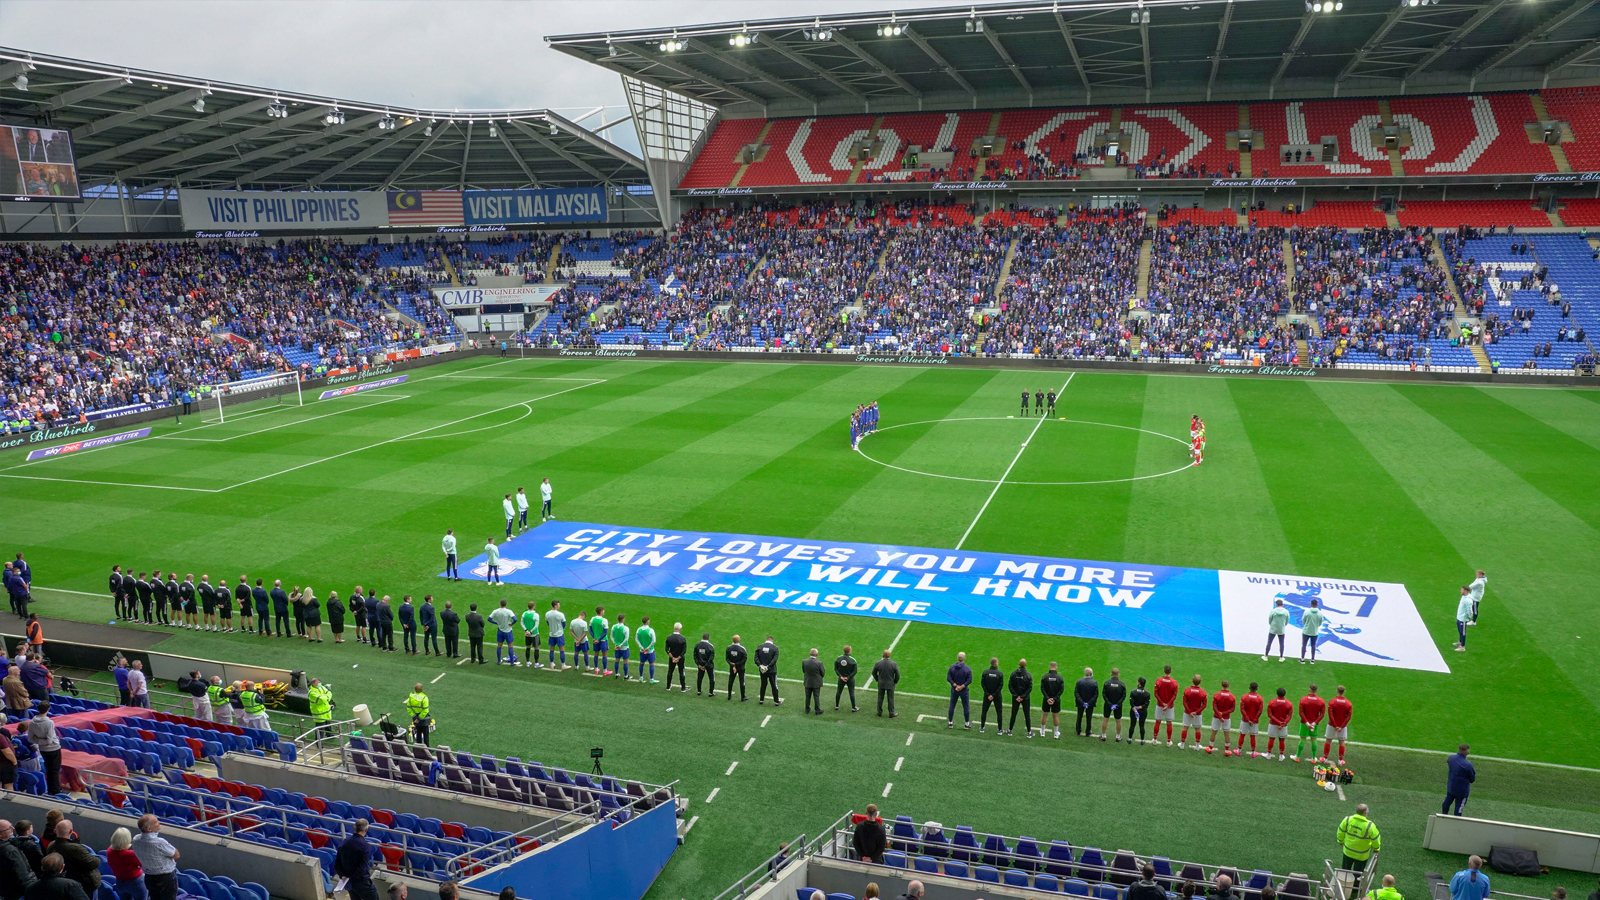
1418,484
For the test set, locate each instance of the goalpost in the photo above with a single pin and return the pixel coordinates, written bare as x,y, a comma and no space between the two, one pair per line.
267,391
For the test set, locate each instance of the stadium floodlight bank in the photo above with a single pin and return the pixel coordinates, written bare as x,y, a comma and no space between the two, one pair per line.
278,389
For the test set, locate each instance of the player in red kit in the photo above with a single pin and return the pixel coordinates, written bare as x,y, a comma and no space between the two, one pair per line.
1249,720
1194,710
1339,712
1279,712
1312,709
1222,704
1166,699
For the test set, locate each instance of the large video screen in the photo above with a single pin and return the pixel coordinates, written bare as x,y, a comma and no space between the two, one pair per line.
37,164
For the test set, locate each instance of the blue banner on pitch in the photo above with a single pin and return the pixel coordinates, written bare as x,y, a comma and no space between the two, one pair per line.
1374,623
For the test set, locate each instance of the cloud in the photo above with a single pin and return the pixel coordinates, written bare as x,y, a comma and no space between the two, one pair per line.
463,54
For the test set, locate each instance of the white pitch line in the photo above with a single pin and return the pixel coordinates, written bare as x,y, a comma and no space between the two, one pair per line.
887,787
462,660
126,484
713,794
898,762
440,675
896,641
765,721
687,828
1020,450
1339,788
909,737
384,398
748,744
731,766
411,435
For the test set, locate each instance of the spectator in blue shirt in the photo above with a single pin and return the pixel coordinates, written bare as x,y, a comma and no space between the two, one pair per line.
1459,785
959,678
1470,883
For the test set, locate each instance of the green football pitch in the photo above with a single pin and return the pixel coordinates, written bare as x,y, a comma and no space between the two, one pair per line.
1407,483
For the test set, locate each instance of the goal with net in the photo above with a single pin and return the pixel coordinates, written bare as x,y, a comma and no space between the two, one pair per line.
234,398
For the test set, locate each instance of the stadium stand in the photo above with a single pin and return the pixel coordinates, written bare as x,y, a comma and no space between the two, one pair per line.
1184,141
1336,213
1476,213
718,161
1577,106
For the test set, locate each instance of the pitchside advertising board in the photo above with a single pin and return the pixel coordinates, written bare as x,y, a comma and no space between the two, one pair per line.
224,211
1366,622
282,210
458,297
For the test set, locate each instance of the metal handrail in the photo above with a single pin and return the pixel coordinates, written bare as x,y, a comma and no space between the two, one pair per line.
180,704
763,873
487,855
441,757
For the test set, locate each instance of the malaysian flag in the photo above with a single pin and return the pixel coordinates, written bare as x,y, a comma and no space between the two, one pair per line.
425,208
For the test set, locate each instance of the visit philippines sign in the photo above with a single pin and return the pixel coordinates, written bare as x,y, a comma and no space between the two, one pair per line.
1373,623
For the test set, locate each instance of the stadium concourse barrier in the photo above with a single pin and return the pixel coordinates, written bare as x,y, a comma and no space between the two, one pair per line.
165,667
361,790
284,873
965,864
605,861
1557,849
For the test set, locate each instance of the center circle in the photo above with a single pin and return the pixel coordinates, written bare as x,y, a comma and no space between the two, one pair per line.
1022,451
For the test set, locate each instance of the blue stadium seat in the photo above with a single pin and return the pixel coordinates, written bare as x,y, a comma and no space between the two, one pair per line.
955,868
895,858
1060,859
1048,883
926,864
987,873
995,851
1016,878
966,844
1027,854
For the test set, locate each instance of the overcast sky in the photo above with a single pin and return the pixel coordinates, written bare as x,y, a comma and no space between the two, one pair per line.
463,54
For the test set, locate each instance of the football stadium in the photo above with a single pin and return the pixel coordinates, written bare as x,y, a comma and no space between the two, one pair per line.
862,375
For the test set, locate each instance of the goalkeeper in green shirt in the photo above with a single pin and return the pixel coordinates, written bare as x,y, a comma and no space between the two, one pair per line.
530,637
599,630
646,636
619,644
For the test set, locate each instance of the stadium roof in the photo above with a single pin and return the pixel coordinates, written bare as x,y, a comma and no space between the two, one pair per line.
1104,51
140,128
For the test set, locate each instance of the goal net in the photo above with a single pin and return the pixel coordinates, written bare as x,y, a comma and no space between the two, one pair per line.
234,398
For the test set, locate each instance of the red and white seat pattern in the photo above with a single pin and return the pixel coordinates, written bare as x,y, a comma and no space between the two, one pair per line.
1308,122
1188,135
718,161
1580,108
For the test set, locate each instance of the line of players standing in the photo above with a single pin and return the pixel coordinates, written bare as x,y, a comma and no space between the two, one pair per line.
1110,697
863,422
1044,403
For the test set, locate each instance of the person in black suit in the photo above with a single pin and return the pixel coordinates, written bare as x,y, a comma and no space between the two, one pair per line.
811,674
677,649
158,591
146,593
475,634
385,625
450,625
31,147
116,590
280,608
886,672
241,593
1021,687
845,669
263,603
736,656
705,663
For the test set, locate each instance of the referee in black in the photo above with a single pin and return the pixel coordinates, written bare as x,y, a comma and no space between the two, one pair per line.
737,656
844,669
705,663
677,649
1114,693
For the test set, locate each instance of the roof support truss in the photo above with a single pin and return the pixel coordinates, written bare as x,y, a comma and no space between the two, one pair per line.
414,155
1222,43
161,137
361,136
1538,33
1005,57
560,151
505,138
850,44
1373,42
133,115
734,61
799,59
81,93
299,140
666,62
364,155
466,153
1573,58
599,143
1306,21
1454,38
222,143
941,62
1077,61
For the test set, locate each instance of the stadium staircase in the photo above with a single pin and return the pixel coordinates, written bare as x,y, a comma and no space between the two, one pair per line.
855,168
1288,269
1391,219
1304,350
450,269
553,263
761,141
1244,128
983,161
1146,249
1005,269
1386,118
1556,152
395,312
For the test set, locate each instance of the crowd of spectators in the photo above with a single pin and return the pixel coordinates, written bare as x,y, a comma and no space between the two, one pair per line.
1375,291
1217,293
89,328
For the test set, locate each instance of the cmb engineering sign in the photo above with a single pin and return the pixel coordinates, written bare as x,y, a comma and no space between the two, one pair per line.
534,206
459,297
